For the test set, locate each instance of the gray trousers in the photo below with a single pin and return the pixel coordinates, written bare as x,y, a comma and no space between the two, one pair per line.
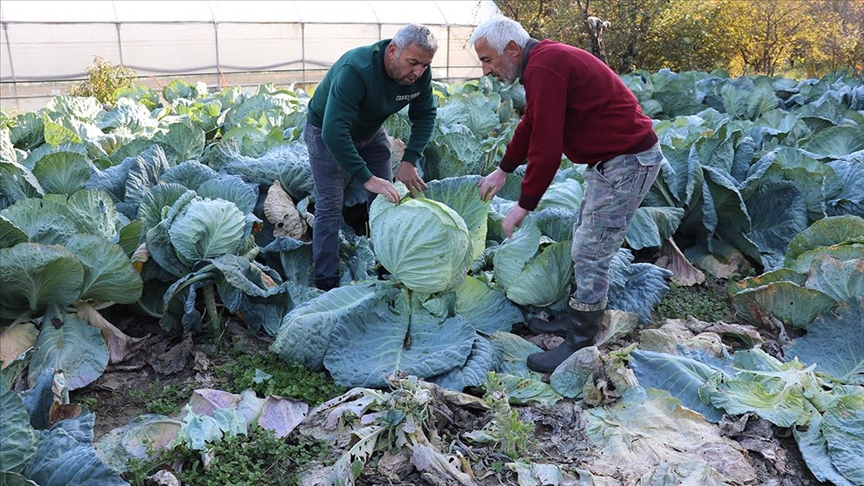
614,189
330,183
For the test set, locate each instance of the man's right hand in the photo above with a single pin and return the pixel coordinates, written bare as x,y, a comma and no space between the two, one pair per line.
378,185
409,176
491,184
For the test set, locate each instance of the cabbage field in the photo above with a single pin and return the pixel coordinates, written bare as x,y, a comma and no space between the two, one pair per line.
192,208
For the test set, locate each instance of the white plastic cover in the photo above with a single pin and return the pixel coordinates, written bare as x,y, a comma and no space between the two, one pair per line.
57,40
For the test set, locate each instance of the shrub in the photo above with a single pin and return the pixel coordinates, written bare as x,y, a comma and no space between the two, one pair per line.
103,80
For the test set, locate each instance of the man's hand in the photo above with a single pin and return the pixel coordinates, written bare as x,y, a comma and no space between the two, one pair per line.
513,219
407,173
378,185
491,184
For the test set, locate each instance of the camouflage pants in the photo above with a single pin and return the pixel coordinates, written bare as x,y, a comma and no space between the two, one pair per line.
614,190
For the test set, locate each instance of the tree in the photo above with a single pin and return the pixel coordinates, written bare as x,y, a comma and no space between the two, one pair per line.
611,30
698,32
631,21
767,34
547,19
840,44
594,27
801,37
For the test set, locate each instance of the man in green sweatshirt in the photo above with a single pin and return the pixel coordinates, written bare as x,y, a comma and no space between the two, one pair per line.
346,139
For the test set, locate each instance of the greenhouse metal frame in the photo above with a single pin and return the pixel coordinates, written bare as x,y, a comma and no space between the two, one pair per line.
46,46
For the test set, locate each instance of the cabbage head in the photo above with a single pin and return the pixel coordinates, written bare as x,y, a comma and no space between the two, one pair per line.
531,270
208,228
423,243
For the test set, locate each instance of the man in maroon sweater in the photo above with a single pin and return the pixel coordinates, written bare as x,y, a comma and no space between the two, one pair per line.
578,107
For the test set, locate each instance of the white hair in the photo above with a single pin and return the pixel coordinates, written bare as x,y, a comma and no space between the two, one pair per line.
498,32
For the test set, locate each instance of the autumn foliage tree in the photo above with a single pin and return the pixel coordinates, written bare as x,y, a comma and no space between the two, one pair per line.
560,20
840,42
801,37
637,19
687,36
767,34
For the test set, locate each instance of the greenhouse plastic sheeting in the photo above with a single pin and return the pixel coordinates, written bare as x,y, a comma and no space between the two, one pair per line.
217,42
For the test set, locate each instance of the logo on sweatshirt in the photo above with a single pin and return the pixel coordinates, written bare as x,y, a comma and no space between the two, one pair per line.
407,97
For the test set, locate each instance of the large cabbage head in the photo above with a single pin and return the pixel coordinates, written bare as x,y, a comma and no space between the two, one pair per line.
423,243
207,228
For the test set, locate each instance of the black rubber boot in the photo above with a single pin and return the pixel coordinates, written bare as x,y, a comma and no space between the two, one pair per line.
582,328
557,326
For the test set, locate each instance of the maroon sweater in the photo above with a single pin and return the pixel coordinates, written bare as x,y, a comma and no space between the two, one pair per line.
576,106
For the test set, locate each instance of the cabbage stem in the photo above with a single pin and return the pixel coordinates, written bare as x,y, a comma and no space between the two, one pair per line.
210,305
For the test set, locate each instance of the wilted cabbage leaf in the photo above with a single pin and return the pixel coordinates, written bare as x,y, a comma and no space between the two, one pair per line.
514,352
786,301
780,393
680,375
134,441
649,435
830,231
581,368
843,426
814,451
528,391
15,340
70,344
841,280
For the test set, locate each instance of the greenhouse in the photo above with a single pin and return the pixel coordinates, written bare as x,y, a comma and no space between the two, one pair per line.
46,46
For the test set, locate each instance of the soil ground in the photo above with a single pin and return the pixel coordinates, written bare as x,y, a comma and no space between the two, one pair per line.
168,370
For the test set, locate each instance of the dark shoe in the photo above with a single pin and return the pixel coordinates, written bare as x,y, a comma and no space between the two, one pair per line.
357,217
326,284
582,328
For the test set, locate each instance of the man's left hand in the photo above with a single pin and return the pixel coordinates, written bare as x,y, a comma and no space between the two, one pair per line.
513,219
408,175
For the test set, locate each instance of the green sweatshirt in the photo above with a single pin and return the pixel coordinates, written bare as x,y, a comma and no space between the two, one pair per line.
354,99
